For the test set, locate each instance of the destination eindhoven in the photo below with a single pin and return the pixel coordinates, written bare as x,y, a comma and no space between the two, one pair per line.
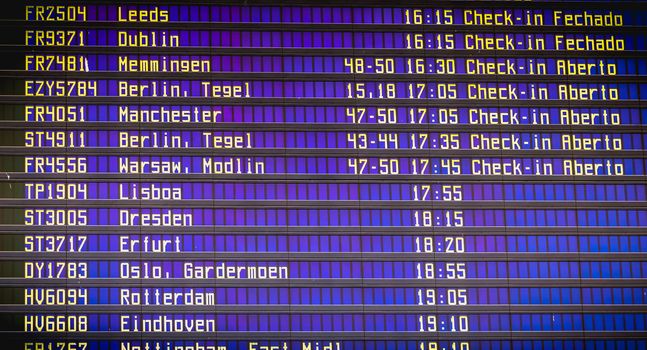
212,345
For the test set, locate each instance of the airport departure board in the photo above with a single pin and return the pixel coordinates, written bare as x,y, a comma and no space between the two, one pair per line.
334,175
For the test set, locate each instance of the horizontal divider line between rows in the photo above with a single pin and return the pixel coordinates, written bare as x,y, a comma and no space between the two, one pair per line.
315,204
338,336
321,102
327,77
318,230
565,129
350,52
332,309
327,282
17,256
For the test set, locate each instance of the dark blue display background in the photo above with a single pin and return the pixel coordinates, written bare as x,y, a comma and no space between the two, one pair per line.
214,175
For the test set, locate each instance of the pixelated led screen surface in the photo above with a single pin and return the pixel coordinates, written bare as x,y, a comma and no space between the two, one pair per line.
339,175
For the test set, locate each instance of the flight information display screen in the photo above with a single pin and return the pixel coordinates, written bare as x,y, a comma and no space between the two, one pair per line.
267,175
